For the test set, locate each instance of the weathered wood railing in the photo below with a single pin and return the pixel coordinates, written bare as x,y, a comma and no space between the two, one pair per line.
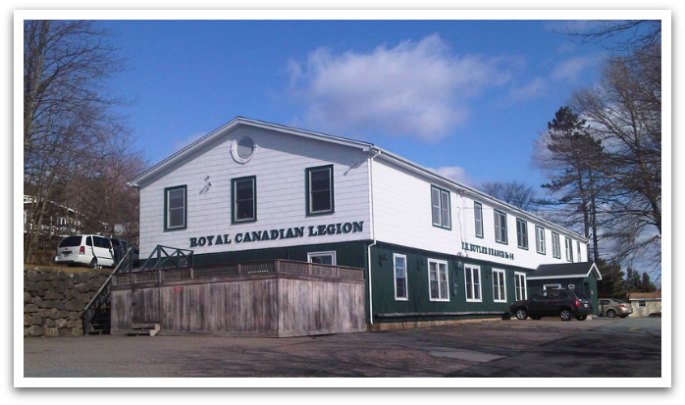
241,270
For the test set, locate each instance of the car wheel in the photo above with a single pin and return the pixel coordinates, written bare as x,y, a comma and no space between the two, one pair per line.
581,317
94,264
565,315
611,313
521,314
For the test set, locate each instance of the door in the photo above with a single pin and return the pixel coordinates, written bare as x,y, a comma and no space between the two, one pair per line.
102,250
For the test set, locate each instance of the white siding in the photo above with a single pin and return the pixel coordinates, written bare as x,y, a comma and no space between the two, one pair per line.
402,215
279,164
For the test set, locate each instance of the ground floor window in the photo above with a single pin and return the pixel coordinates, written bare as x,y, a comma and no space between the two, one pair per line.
520,286
472,283
499,286
322,258
400,271
438,280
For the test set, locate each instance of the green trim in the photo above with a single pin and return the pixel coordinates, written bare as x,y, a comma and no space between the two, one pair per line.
307,196
482,228
525,224
166,208
449,201
235,221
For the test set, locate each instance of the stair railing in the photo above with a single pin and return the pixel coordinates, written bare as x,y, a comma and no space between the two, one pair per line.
102,295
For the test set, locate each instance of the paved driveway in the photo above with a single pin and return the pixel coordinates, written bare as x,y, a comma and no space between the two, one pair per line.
546,348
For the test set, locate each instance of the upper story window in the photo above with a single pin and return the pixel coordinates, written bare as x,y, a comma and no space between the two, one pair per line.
501,227
244,201
569,249
320,190
522,233
175,208
540,240
243,149
556,246
440,203
478,217
578,250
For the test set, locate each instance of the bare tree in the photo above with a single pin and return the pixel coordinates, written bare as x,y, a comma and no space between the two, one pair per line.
625,114
68,119
513,192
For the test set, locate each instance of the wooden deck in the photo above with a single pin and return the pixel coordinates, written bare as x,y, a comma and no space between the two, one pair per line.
274,298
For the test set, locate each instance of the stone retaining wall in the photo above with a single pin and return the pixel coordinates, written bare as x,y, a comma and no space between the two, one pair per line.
53,300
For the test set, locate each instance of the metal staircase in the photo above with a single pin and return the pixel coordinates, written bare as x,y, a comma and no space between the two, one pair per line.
96,315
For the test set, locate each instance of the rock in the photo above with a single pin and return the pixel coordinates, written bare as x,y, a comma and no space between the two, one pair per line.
53,295
35,330
49,323
27,297
52,332
61,323
30,308
36,320
76,331
38,301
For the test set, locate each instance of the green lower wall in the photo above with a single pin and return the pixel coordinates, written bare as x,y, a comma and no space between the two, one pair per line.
387,309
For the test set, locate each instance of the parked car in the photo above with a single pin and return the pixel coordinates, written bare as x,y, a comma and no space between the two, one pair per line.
612,307
91,250
564,303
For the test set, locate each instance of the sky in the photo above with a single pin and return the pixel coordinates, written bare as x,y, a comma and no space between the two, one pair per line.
463,97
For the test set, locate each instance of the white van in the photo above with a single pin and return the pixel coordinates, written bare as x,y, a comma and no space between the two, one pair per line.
91,250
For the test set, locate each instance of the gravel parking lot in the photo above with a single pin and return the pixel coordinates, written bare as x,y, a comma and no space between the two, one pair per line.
502,348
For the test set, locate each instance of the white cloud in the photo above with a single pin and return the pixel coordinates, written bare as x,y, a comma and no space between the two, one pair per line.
455,173
571,69
417,88
532,89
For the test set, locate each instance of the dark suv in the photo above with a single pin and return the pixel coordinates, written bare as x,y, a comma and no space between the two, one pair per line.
564,303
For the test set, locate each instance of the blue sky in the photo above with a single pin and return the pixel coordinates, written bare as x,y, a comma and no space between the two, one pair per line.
466,98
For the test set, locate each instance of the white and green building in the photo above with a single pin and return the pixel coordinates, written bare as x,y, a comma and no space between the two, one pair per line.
431,249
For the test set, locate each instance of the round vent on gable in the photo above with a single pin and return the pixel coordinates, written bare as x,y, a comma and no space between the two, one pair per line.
243,149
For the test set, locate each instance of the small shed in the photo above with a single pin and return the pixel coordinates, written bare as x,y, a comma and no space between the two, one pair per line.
575,276
645,304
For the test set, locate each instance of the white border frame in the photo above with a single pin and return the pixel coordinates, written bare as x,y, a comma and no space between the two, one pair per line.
519,275
331,253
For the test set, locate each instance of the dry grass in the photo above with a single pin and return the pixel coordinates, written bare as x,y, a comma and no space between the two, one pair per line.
54,267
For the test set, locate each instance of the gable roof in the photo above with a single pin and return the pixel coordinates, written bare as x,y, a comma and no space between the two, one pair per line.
373,150
564,270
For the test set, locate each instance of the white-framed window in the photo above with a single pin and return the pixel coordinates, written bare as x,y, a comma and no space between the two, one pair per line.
501,227
438,280
578,250
322,258
522,233
520,288
472,283
478,218
244,200
556,246
569,249
440,206
540,239
499,285
546,287
175,208
320,194
400,273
